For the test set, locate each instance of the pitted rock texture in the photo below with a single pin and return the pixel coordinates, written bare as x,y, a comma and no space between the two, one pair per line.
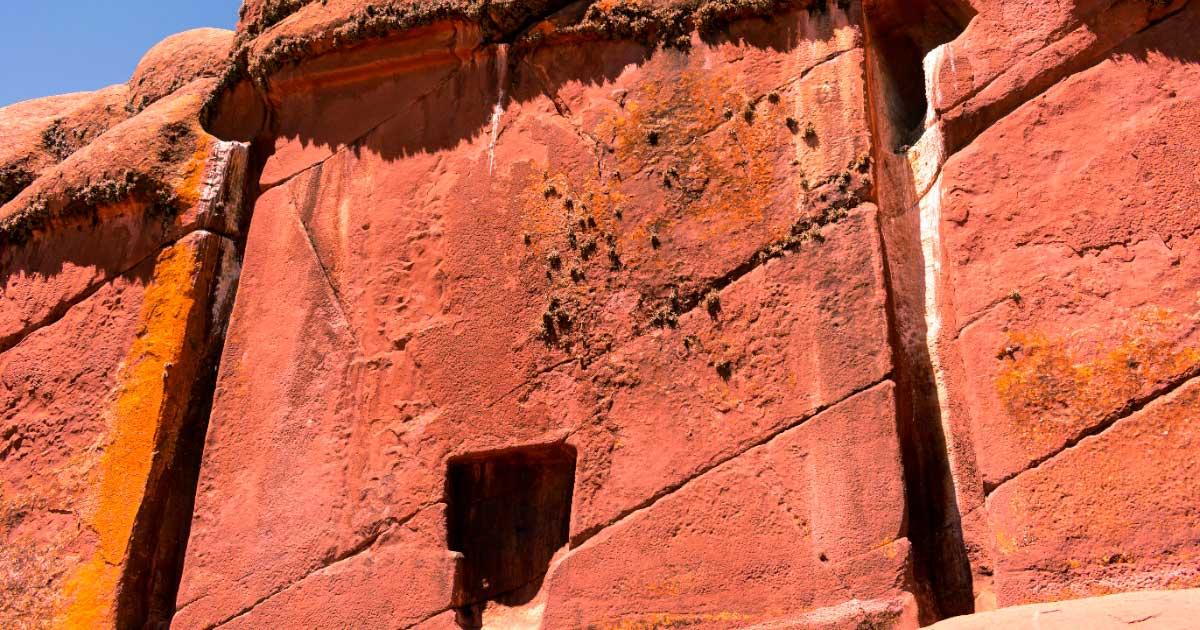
610,314
175,62
1163,610
624,293
116,265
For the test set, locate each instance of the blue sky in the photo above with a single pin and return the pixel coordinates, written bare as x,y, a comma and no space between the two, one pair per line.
57,46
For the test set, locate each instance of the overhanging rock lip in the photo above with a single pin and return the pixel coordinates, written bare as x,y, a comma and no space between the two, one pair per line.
316,30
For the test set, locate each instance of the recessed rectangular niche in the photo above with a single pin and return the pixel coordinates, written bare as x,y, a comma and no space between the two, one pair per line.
508,512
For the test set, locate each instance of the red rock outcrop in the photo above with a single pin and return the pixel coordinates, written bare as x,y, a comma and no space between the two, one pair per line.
1049,211
623,295
117,271
177,61
611,314
36,135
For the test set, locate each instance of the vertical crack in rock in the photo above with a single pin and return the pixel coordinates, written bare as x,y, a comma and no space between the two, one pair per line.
900,36
159,539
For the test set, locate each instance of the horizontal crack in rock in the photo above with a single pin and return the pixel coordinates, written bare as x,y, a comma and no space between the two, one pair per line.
1133,407
378,529
667,491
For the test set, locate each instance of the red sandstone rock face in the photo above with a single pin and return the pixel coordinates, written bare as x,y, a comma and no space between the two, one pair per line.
625,291
1069,304
624,314
36,135
116,272
1168,610
175,62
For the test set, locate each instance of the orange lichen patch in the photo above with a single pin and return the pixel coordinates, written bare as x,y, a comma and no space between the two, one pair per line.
717,150
154,384
1075,579
714,152
685,581
193,173
38,557
1050,386
1084,520
553,203
1005,543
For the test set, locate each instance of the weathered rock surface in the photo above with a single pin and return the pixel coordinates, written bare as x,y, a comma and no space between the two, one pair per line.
1067,302
116,273
624,293
616,314
177,61
36,135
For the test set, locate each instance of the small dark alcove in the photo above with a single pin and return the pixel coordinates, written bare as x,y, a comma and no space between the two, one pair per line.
508,512
902,32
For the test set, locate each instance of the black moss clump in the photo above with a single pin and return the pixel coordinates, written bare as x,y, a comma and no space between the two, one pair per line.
82,203
55,141
671,26
724,369
557,321
712,304
13,179
178,142
272,13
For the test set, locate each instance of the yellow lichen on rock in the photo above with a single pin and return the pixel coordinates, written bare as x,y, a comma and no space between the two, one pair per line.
193,174
1053,383
154,384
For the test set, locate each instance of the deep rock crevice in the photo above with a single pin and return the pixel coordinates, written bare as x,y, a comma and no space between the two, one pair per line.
899,36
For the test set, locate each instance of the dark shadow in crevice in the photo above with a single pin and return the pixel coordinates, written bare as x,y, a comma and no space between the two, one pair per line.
900,33
508,512
158,544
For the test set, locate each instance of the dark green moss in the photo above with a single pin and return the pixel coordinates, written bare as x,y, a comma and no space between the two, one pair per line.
13,179
55,141
82,204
